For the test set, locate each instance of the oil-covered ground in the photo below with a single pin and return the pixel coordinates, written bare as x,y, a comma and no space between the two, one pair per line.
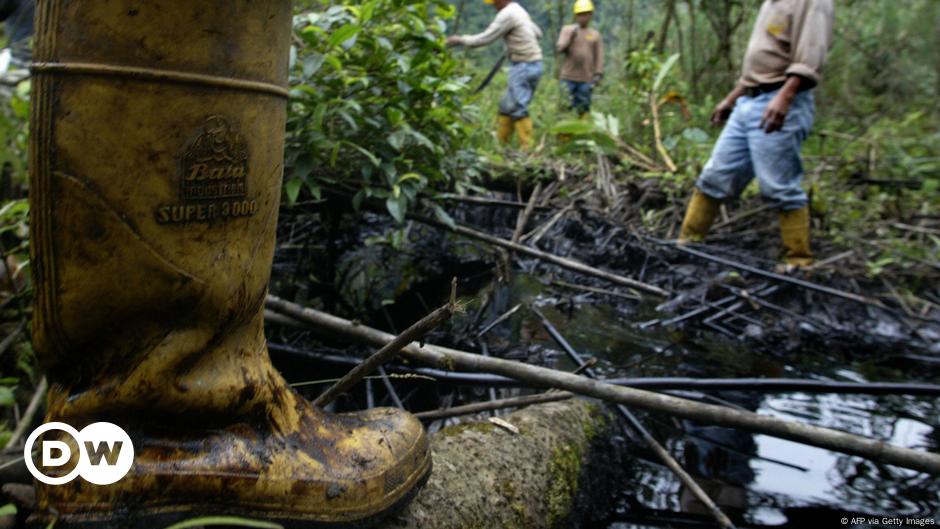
719,321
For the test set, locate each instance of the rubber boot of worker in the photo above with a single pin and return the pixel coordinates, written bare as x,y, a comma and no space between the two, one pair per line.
699,217
525,133
155,184
504,129
795,233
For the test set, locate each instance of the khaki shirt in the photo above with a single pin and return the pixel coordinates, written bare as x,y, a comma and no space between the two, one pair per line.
517,29
584,53
791,37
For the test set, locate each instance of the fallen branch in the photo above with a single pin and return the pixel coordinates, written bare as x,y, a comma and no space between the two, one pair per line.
664,456
27,419
526,214
389,350
758,385
564,262
741,216
451,359
501,404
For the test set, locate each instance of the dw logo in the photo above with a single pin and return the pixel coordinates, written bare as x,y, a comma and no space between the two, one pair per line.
105,454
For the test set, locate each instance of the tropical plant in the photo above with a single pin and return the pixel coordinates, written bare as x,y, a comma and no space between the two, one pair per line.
376,102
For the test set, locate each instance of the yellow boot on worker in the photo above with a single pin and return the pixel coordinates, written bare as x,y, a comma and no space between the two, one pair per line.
699,217
795,233
150,285
504,129
525,133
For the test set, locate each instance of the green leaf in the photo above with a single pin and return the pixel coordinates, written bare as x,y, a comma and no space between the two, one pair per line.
225,520
292,189
396,207
312,64
444,217
7,397
8,510
343,34
664,71
573,127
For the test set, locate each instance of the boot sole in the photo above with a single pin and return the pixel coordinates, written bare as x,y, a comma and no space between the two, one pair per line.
165,516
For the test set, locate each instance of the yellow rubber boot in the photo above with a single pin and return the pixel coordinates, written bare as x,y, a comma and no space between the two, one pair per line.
504,129
152,242
525,133
794,230
698,217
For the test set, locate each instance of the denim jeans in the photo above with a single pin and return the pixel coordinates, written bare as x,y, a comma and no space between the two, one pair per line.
18,15
523,80
580,94
744,151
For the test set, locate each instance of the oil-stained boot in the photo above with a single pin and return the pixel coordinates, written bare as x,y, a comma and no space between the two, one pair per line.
525,133
157,157
794,231
504,129
698,217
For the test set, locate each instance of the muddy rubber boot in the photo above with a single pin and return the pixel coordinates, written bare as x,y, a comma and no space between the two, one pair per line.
698,218
794,231
525,133
504,128
156,167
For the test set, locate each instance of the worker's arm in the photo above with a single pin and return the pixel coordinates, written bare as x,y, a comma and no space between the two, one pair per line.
812,38
565,38
598,59
498,28
724,108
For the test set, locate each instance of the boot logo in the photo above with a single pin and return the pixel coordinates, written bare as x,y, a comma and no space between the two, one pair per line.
213,176
215,164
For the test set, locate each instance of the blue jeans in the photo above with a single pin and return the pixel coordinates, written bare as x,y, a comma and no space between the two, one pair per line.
580,94
744,151
18,15
523,80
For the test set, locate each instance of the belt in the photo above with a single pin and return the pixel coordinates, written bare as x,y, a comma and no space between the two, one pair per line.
754,91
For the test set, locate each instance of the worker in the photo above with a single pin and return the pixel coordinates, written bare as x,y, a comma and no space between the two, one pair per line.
153,321
769,114
583,66
521,36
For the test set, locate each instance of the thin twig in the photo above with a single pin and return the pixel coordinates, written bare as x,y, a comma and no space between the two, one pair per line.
29,414
389,351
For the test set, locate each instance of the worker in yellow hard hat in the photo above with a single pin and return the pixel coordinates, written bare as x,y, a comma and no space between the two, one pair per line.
521,35
583,50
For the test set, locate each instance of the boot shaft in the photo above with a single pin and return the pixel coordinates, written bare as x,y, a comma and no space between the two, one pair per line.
157,160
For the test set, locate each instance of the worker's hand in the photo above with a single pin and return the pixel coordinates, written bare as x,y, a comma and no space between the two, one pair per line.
776,113
454,40
596,80
722,112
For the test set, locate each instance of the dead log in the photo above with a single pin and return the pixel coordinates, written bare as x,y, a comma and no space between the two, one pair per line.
442,357
544,476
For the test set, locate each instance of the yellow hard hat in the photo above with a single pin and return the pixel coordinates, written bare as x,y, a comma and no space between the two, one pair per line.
488,2
583,6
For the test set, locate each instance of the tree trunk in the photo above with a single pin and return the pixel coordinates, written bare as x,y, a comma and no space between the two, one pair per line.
550,474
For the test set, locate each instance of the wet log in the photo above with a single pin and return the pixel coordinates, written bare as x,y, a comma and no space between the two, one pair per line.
550,474
442,357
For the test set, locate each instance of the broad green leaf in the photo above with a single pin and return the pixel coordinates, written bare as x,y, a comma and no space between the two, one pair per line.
8,510
312,64
664,71
292,189
343,34
7,397
396,207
